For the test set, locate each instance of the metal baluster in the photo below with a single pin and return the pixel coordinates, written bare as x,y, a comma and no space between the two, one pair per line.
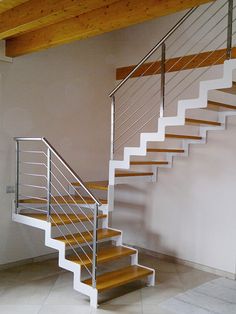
230,30
163,60
113,112
48,183
17,176
95,227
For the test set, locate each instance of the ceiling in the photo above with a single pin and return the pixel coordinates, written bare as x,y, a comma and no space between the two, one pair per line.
33,25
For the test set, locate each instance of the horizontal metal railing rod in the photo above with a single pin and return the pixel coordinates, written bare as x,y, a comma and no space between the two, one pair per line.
33,208
25,139
33,186
32,151
33,174
154,49
33,197
32,163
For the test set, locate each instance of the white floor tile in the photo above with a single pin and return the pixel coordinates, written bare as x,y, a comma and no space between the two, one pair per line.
19,309
63,309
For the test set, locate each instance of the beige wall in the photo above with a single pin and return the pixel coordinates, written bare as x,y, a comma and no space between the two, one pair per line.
61,94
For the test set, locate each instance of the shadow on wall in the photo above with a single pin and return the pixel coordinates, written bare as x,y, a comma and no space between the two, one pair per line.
133,215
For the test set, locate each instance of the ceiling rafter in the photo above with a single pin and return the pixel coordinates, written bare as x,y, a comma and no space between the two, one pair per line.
111,16
8,4
36,14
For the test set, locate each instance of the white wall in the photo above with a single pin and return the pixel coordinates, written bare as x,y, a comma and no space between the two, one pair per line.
61,94
190,212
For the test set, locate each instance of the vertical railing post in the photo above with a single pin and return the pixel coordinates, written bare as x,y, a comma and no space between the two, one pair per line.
229,30
163,60
48,183
95,227
17,176
113,112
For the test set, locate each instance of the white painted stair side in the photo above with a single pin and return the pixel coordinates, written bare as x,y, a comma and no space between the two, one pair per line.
178,120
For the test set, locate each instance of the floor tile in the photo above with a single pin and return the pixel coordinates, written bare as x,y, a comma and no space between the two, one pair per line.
195,278
62,309
155,309
32,293
156,295
19,309
63,293
124,309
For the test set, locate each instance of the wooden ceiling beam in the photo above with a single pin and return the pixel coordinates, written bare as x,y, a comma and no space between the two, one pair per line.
35,14
120,14
9,4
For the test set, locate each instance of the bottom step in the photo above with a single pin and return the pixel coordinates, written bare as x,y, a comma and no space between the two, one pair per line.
120,277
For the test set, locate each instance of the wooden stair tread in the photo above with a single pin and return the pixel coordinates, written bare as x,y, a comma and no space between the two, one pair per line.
104,255
148,162
96,185
86,236
61,219
165,150
213,105
182,136
198,121
230,90
132,174
119,277
73,199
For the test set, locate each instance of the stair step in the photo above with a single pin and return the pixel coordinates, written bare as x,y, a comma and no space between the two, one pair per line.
164,150
87,236
132,174
205,122
133,163
188,137
217,106
104,255
230,90
64,219
95,185
67,199
119,277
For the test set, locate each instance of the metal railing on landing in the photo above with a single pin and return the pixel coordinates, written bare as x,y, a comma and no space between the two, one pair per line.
44,185
152,88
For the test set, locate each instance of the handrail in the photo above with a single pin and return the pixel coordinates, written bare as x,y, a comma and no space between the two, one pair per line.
158,45
50,199
45,141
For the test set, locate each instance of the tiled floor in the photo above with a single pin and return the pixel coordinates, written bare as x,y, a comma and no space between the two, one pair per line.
44,288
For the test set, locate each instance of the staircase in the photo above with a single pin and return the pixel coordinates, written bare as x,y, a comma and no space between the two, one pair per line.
52,197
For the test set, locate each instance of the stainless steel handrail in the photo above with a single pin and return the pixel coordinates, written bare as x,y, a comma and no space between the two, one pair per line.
158,45
161,44
51,154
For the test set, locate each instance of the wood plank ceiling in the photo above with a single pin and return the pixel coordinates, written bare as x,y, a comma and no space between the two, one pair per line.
33,25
